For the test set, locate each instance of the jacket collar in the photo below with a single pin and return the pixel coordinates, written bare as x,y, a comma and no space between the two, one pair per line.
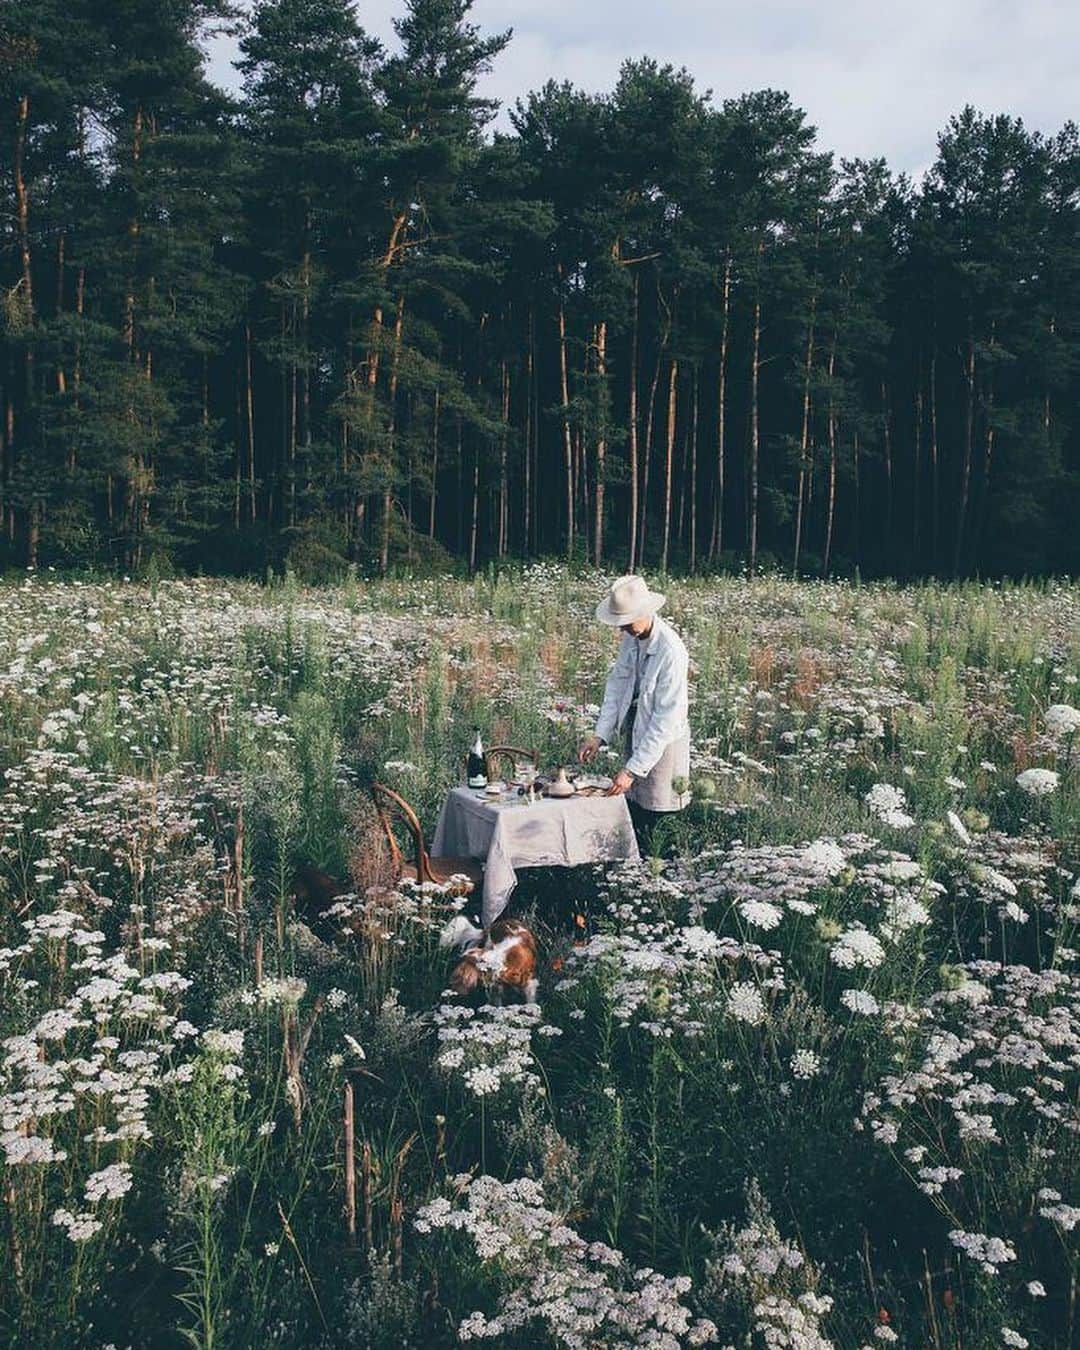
654,637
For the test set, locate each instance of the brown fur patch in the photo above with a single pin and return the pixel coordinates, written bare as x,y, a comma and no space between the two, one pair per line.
465,976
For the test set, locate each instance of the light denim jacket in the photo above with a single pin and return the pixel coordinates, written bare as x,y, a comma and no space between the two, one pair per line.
662,711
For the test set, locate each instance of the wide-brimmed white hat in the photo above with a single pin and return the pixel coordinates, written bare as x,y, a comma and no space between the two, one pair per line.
628,599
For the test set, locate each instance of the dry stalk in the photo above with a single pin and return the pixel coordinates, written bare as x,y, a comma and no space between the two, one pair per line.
287,1227
397,1212
365,1176
296,1040
350,1165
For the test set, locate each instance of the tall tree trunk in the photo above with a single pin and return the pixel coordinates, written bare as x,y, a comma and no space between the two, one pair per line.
434,462
134,485
133,237
61,243
969,441
504,484
679,533
305,320
755,368
396,240
601,441
410,481
988,452
886,418
291,462
9,455
830,509
856,457
716,542
917,471
474,528
249,408
33,533
80,304
804,435
935,513
460,447
568,453
239,414
673,398
650,416
22,206
391,440
695,417
632,425
527,476
475,506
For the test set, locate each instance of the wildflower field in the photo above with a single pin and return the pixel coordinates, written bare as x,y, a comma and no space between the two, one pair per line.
812,1081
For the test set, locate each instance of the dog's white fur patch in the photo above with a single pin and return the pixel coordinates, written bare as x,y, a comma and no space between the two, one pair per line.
459,932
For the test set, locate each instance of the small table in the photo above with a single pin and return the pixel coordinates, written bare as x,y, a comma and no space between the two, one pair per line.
507,833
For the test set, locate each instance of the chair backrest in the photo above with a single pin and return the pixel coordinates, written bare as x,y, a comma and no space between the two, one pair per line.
390,806
514,753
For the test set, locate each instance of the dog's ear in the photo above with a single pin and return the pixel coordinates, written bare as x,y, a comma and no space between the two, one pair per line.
310,886
465,976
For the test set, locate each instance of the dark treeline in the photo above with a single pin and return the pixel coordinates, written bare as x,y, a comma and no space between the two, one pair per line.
337,318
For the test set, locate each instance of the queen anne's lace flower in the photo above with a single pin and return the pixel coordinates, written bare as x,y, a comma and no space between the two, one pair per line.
805,1064
859,1001
761,914
1037,782
583,1293
889,804
857,947
745,1003
1062,719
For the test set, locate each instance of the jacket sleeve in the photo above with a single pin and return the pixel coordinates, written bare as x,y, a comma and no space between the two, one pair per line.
668,713
607,722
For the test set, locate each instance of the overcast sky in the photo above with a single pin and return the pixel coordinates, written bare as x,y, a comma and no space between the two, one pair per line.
875,78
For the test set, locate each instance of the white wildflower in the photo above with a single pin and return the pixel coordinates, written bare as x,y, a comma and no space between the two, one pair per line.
857,947
745,1004
761,914
805,1064
1062,719
109,1184
1037,782
889,804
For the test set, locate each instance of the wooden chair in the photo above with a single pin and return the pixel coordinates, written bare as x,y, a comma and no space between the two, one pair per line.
511,754
391,806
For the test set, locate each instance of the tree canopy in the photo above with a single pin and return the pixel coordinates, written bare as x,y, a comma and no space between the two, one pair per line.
341,318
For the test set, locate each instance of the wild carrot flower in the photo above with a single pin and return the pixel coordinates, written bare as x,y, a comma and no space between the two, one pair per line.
1037,782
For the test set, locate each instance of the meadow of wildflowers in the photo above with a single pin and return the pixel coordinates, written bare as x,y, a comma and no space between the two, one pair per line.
811,1081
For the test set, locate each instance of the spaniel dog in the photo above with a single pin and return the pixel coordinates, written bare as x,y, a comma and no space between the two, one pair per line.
502,959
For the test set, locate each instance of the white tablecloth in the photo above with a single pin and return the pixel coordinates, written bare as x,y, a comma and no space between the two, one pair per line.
550,833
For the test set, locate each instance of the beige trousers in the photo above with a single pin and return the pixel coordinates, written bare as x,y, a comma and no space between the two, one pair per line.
655,792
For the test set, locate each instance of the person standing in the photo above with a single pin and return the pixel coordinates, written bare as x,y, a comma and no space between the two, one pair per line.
645,699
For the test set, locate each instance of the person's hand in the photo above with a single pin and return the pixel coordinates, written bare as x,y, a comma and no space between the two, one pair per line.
588,749
623,783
